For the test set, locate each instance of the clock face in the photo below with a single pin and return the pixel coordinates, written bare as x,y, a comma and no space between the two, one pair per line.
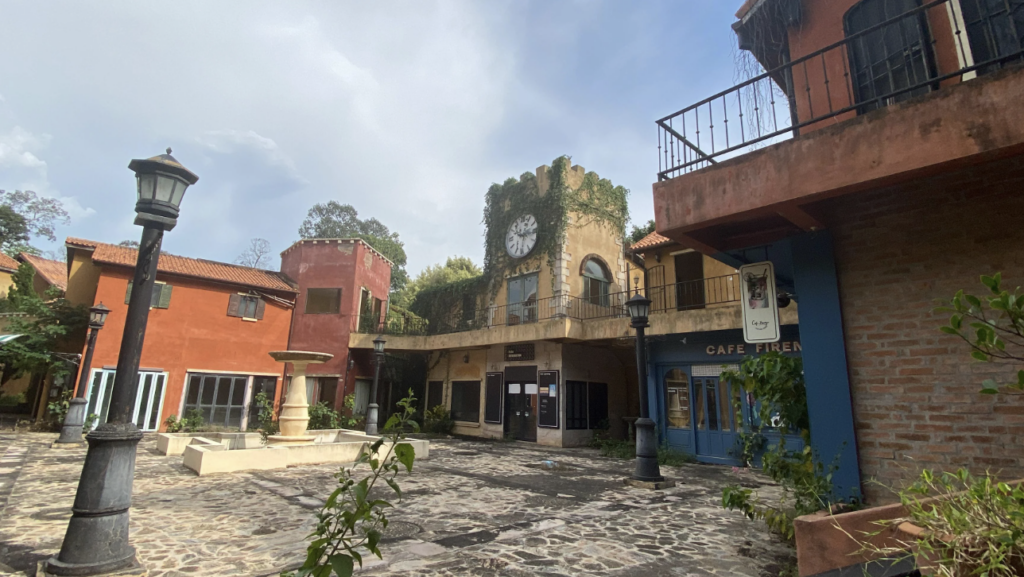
522,236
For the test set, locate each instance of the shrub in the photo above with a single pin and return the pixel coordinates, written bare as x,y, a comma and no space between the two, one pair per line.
323,417
192,422
438,420
12,400
265,422
349,418
972,526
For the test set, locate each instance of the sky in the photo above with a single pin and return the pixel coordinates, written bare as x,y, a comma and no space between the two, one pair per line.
407,110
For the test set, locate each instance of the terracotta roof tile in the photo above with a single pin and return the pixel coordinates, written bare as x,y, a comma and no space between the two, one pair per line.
650,241
54,272
190,267
7,263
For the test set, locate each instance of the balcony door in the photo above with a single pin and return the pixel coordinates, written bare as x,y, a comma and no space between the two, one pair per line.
689,280
522,299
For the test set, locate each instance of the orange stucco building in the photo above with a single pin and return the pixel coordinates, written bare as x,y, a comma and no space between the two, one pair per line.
210,328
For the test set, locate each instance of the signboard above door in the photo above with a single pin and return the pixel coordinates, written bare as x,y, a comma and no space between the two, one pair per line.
520,352
760,303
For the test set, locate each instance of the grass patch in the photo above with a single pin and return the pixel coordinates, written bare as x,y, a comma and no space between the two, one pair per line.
617,449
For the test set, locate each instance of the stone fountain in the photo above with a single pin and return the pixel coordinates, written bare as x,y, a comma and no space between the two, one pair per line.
208,453
294,416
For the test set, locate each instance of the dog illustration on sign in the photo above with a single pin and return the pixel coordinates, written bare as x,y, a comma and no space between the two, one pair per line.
757,290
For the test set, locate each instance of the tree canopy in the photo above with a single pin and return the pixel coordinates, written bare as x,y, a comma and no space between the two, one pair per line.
637,233
256,255
455,269
24,214
44,324
335,220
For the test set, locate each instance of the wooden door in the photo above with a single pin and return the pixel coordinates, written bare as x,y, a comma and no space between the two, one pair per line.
689,280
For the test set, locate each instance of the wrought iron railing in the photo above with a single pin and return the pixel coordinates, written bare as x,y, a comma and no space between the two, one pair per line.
679,296
916,52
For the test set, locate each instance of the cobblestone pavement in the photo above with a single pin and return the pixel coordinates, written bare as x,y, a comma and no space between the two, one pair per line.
472,509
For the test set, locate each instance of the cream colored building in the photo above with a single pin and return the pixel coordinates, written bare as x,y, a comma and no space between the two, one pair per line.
542,350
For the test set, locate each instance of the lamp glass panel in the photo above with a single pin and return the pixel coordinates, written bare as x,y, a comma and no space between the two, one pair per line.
378,346
164,187
147,186
179,191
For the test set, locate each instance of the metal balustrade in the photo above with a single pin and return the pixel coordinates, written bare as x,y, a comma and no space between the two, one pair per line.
681,296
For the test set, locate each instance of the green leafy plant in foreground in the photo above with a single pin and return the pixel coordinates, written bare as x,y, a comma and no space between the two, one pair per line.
972,526
994,327
352,522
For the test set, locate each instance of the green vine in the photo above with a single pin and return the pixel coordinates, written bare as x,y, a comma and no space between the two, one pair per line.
595,200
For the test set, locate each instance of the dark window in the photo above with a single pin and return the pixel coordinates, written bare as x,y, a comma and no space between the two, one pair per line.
893,58
575,405
246,306
161,298
435,394
323,301
995,29
221,398
466,401
586,405
689,291
596,282
493,399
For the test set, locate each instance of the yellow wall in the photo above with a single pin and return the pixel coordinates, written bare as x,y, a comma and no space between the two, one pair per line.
6,282
83,279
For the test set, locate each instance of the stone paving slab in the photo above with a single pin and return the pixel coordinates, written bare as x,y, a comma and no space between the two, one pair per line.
472,509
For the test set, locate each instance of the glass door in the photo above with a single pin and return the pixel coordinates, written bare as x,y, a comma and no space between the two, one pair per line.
678,416
714,418
149,398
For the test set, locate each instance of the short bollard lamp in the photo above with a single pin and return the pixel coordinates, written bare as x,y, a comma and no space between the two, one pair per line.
371,409
647,469
96,541
74,420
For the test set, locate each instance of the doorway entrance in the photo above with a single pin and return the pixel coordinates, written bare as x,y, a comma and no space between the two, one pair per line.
700,412
521,406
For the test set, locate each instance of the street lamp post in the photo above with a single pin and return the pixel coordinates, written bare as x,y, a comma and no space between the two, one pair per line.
371,409
647,469
74,420
96,540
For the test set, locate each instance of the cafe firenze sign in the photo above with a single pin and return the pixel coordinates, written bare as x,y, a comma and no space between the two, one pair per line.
760,303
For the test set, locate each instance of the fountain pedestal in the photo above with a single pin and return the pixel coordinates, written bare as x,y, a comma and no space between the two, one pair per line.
294,417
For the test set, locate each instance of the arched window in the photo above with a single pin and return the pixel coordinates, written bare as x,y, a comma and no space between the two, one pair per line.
597,280
895,57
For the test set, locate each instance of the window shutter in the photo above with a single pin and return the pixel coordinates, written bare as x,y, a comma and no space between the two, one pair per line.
261,305
128,293
233,303
165,296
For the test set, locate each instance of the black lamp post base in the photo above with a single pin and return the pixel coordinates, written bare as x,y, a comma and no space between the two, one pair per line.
74,421
96,541
371,419
126,566
647,468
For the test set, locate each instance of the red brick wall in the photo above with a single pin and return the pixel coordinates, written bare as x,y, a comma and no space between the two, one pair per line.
915,390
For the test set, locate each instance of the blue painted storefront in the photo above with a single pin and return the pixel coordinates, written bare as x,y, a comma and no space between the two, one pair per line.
692,405
805,268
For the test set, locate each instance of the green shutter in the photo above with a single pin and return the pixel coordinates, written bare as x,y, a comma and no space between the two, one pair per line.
165,296
128,293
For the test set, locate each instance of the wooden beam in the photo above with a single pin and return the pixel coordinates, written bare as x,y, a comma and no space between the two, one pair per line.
798,216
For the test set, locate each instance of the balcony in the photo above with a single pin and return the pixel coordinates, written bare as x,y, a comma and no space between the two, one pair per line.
936,84
561,318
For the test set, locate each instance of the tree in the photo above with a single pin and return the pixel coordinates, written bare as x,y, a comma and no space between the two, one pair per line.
994,327
257,255
44,325
639,232
456,268
41,214
13,230
129,243
334,220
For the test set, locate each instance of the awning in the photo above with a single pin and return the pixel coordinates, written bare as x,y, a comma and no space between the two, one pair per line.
8,338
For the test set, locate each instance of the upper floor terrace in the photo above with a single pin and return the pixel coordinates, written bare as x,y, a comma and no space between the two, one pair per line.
699,305
853,94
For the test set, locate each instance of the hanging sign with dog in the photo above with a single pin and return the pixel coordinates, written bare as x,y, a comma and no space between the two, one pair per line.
760,303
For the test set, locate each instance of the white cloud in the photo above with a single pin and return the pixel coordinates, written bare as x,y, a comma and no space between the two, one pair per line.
17,149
